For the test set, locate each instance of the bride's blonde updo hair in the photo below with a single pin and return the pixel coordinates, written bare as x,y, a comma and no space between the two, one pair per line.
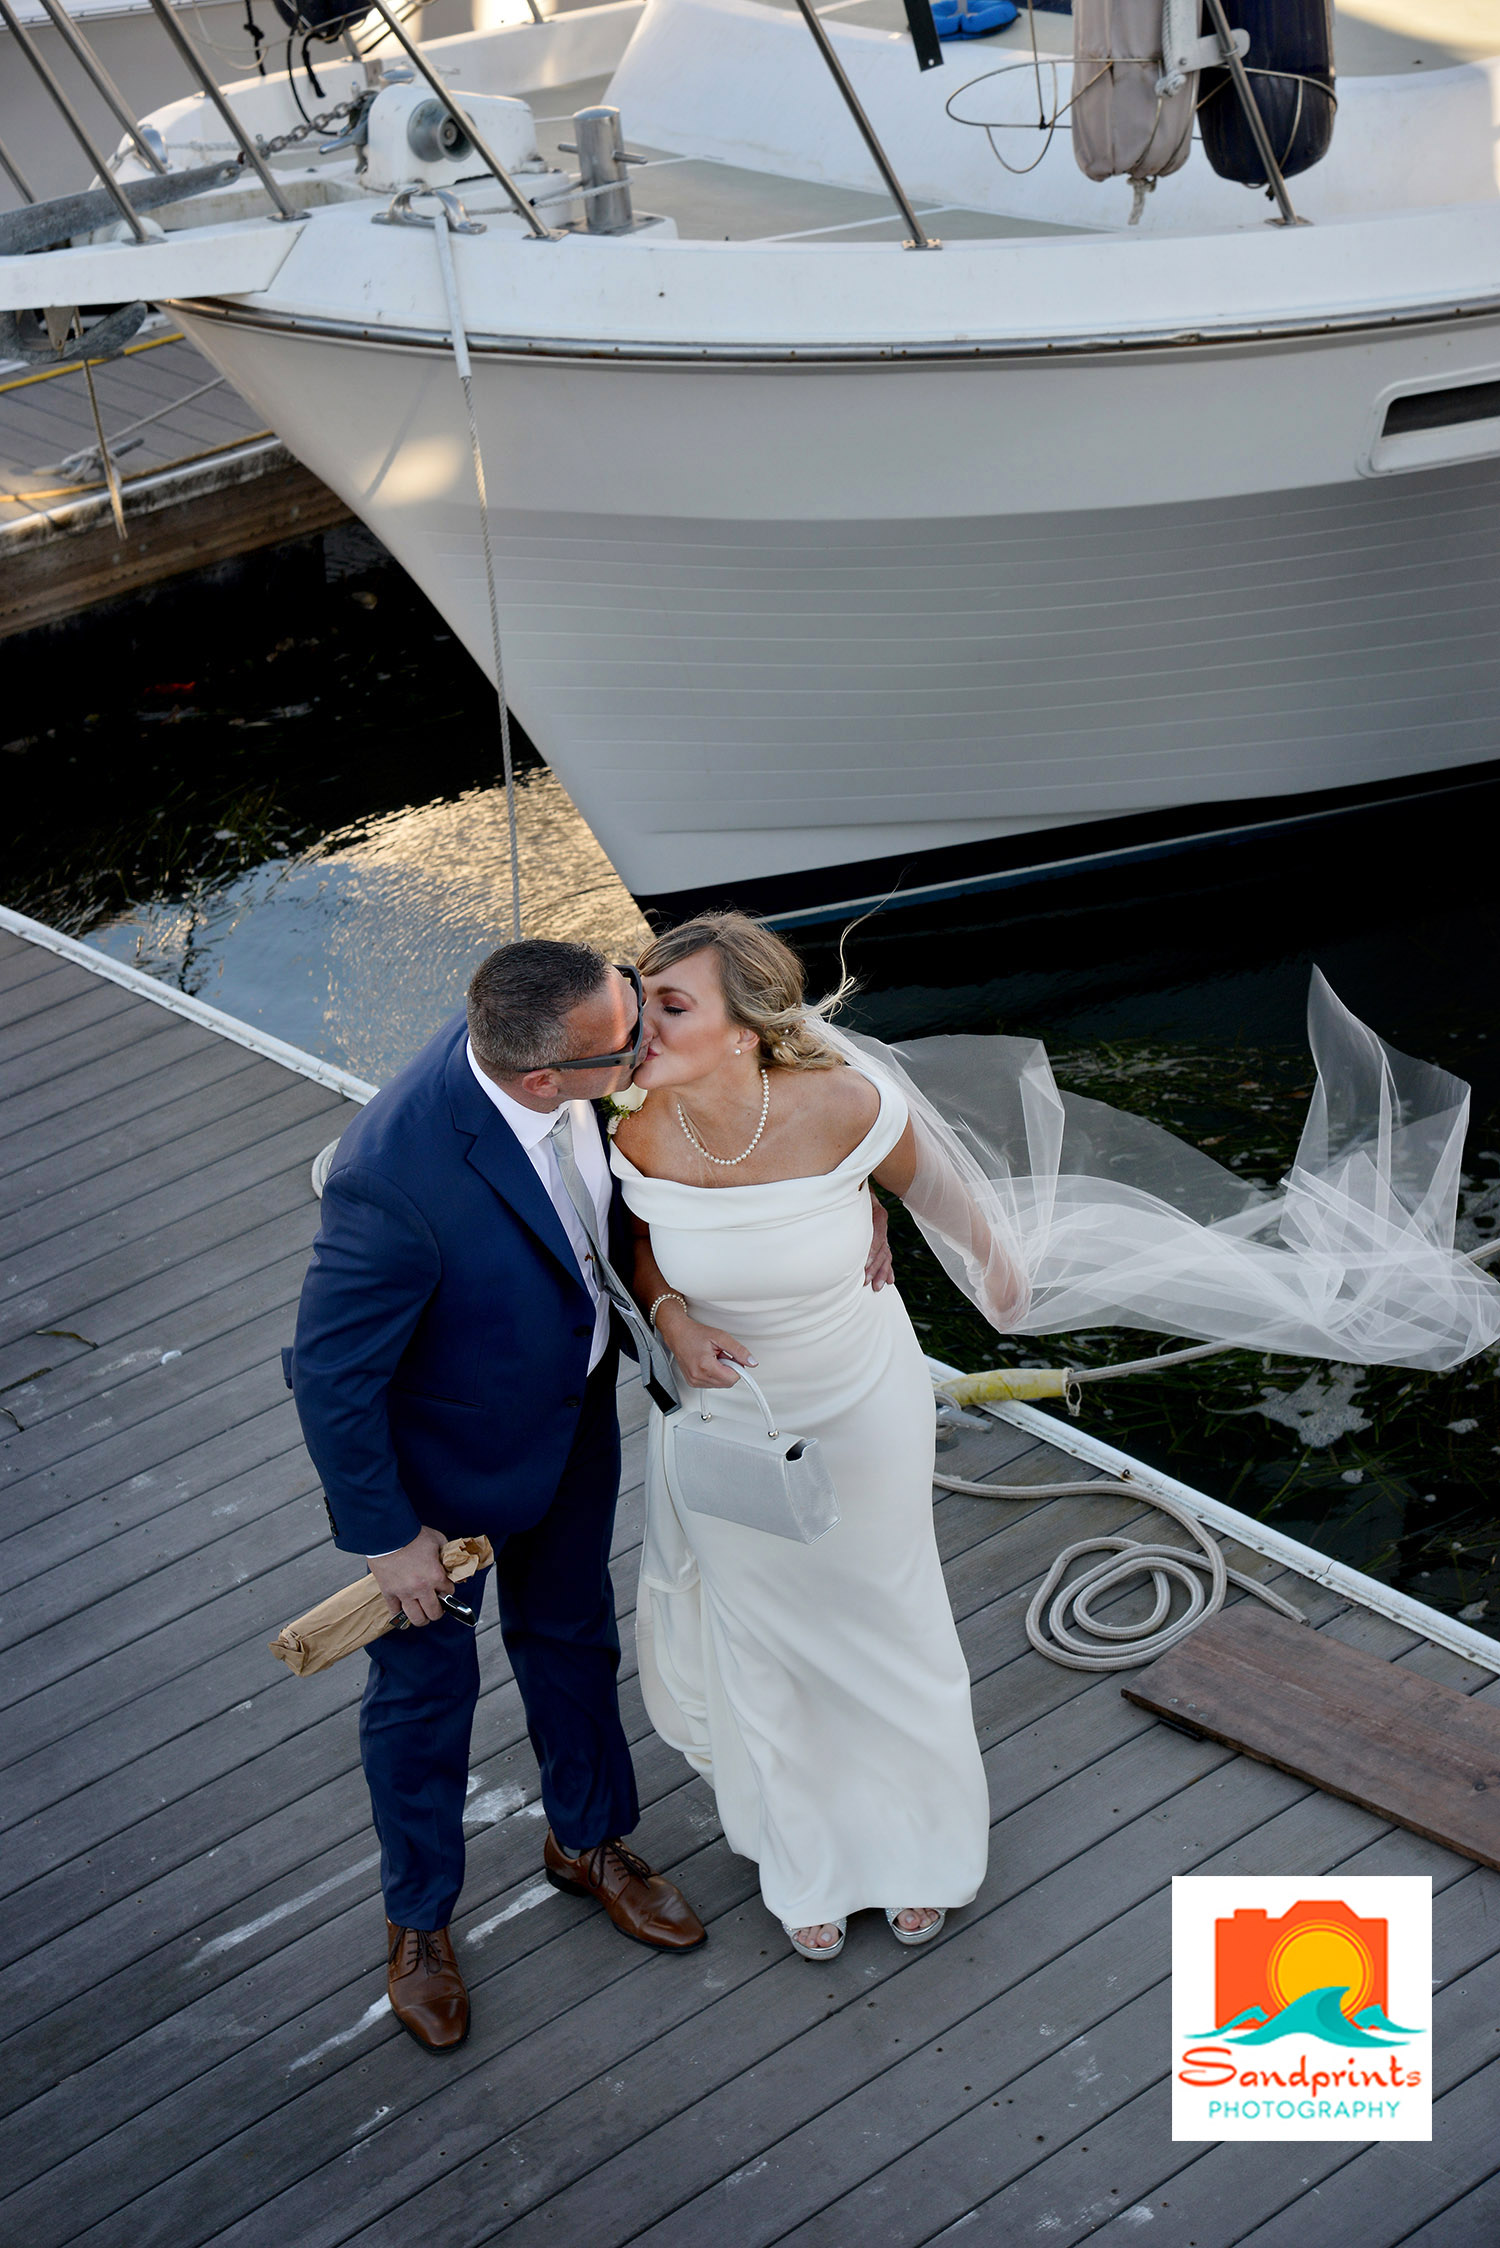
763,984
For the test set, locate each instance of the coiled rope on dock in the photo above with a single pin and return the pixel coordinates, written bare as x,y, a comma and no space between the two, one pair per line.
1062,1611
1061,1622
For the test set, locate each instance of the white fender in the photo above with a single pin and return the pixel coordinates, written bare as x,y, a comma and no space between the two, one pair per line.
1127,116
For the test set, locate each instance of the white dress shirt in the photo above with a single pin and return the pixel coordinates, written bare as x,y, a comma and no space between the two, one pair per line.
532,1128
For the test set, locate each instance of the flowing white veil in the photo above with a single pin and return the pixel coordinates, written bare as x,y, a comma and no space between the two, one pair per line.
1054,1212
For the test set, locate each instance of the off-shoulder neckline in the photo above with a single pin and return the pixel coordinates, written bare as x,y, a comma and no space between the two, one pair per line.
883,1088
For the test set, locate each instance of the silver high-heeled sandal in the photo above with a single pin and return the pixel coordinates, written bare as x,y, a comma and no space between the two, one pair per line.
914,1935
818,1952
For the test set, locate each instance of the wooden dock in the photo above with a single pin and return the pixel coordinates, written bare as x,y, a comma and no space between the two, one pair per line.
196,2042
201,480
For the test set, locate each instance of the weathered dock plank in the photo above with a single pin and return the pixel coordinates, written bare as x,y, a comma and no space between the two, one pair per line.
190,1969
116,1305
155,1614
1033,1770
116,1160
1405,1745
176,1481
228,1173
103,1070
1474,2216
44,1070
29,1041
86,1120
37,995
21,963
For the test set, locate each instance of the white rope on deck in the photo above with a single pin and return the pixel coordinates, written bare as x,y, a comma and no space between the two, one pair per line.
1062,1609
1129,1477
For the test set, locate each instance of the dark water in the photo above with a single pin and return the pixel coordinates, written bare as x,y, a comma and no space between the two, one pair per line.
277,790
1180,992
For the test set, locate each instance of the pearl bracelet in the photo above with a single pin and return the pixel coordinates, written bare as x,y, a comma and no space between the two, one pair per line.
668,1295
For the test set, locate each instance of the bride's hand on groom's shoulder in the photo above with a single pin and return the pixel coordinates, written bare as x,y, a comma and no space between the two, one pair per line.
701,1351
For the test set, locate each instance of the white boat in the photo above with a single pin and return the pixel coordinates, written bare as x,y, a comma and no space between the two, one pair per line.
828,567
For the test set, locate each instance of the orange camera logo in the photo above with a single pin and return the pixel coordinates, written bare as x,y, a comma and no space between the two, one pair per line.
1265,1965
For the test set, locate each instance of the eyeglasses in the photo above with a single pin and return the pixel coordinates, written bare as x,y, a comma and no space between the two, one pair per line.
631,1053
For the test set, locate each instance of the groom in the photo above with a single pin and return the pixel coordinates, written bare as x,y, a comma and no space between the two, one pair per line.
454,1371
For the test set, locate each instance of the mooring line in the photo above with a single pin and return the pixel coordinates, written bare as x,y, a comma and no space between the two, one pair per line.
441,225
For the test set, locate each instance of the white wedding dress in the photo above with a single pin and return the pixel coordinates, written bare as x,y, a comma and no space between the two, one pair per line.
820,1689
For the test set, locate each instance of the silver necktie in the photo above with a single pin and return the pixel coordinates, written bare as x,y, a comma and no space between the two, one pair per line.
652,1355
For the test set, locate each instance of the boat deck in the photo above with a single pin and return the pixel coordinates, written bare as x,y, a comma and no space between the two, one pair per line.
204,481
714,202
197,2046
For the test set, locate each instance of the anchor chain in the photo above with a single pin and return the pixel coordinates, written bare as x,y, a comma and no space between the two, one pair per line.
325,119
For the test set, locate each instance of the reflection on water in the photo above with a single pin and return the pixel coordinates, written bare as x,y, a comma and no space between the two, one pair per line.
358,950
275,788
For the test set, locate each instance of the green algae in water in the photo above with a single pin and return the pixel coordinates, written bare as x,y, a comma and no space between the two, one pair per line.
1392,1471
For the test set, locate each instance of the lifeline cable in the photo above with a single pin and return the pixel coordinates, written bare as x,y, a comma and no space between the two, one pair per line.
441,225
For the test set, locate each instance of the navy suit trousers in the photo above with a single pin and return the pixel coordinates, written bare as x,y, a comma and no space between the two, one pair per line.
557,1618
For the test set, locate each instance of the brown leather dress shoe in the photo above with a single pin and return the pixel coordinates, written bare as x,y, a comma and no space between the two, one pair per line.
427,1991
641,1903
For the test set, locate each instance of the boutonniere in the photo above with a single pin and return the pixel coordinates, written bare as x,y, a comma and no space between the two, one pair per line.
617,1106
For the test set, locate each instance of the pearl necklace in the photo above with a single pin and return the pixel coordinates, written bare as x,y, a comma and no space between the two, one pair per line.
728,1162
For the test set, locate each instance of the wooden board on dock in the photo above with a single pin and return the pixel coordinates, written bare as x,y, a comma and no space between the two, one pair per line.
194,2045
1405,1747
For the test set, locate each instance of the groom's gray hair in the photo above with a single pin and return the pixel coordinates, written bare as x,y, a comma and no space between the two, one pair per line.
520,998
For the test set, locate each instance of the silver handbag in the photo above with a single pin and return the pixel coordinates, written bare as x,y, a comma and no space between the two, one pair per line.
766,1479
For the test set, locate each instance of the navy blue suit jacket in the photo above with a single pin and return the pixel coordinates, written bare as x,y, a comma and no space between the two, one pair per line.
444,1332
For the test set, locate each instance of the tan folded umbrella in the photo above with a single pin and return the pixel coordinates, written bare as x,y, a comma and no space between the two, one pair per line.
358,1614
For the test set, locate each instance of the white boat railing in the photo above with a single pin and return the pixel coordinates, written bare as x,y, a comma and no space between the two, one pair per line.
251,151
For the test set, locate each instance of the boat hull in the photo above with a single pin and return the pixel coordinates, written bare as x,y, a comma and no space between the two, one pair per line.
784,628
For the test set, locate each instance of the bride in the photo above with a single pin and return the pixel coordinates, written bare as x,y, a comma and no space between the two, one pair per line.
819,1688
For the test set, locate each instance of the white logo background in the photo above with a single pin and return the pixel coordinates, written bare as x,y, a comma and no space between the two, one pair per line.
1324,2092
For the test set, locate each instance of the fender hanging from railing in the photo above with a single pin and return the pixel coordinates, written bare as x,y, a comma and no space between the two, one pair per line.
1289,69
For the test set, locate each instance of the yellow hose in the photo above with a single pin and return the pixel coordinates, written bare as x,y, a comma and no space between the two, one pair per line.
71,366
1007,1383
